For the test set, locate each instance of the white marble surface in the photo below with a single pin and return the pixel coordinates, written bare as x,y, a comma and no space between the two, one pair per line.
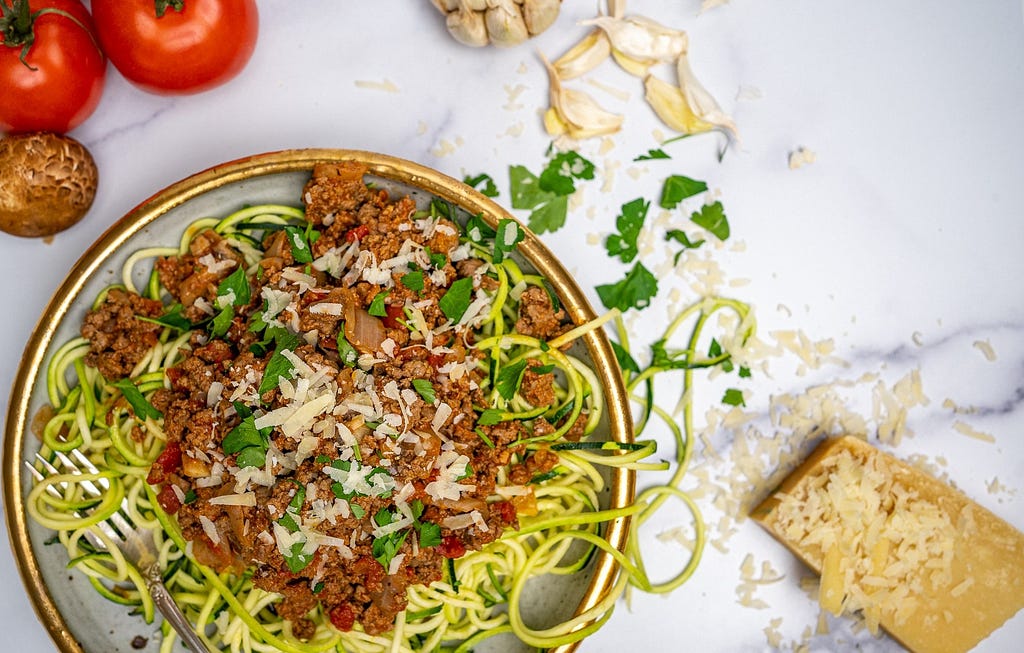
901,243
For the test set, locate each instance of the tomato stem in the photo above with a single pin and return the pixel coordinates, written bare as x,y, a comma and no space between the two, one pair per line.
162,6
17,24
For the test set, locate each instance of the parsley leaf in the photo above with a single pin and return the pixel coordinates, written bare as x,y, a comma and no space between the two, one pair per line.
679,236
437,259
222,322
626,361
677,188
413,281
235,286
714,351
509,379
425,389
733,397
278,366
172,317
143,409
245,434
543,369
634,291
377,307
251,457
547,210
657,153
506,237
629,223
457,298
489,188
300,246
296,559
477,229
430,534
712,217
557,177
744,372
346,352
357,510
490,417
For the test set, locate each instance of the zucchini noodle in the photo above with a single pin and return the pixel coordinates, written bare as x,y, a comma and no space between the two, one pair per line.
482,592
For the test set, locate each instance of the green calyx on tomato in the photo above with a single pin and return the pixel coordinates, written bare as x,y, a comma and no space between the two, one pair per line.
163,5
17,25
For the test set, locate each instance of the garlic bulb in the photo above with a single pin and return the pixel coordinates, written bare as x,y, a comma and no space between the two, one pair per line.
501,22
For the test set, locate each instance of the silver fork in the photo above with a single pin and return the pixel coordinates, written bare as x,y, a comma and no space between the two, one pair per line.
136,544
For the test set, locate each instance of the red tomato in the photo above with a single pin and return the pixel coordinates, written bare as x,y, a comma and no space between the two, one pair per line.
343,617
167,462
59,83
452,547
194,46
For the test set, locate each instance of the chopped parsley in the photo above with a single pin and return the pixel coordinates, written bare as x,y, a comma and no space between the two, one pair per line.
679,236
506,237
509,379
248,442
347,354
477,229
222,321
413,281
547,196
300,244
140,405
236,287
457,298
629,222
733,397
279,367
656,153
377,306
634,291
490,417
483,183
425,389
626,361
677,188
712,217
386,547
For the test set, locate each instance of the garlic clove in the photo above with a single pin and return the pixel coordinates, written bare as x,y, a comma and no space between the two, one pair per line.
700,101
582,115
540,14
468,27
584,56
670,104
631,65
505,23
553,124
641,38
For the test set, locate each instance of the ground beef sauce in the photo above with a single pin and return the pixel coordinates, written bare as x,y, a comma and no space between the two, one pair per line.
337,482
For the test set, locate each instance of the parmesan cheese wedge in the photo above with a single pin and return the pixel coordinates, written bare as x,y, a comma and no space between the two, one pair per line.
906,551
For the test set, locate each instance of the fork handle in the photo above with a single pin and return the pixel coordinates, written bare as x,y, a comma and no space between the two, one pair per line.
169,609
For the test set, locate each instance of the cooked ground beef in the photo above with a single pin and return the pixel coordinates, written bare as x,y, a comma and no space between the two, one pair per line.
118,339
302,457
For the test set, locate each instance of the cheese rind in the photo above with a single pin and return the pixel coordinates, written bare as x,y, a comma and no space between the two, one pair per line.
933,568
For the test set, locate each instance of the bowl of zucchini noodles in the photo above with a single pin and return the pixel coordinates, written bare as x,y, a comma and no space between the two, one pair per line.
507,524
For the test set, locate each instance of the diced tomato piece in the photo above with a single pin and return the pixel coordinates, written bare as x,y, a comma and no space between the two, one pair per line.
167,462
168,499
505,511
452,547
174,375
343,617
394,314
357,233
436,360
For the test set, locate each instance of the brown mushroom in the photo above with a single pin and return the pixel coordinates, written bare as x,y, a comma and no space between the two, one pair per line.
48,181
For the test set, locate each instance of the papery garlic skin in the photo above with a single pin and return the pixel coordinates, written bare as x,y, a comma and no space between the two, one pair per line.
701,102
643,39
